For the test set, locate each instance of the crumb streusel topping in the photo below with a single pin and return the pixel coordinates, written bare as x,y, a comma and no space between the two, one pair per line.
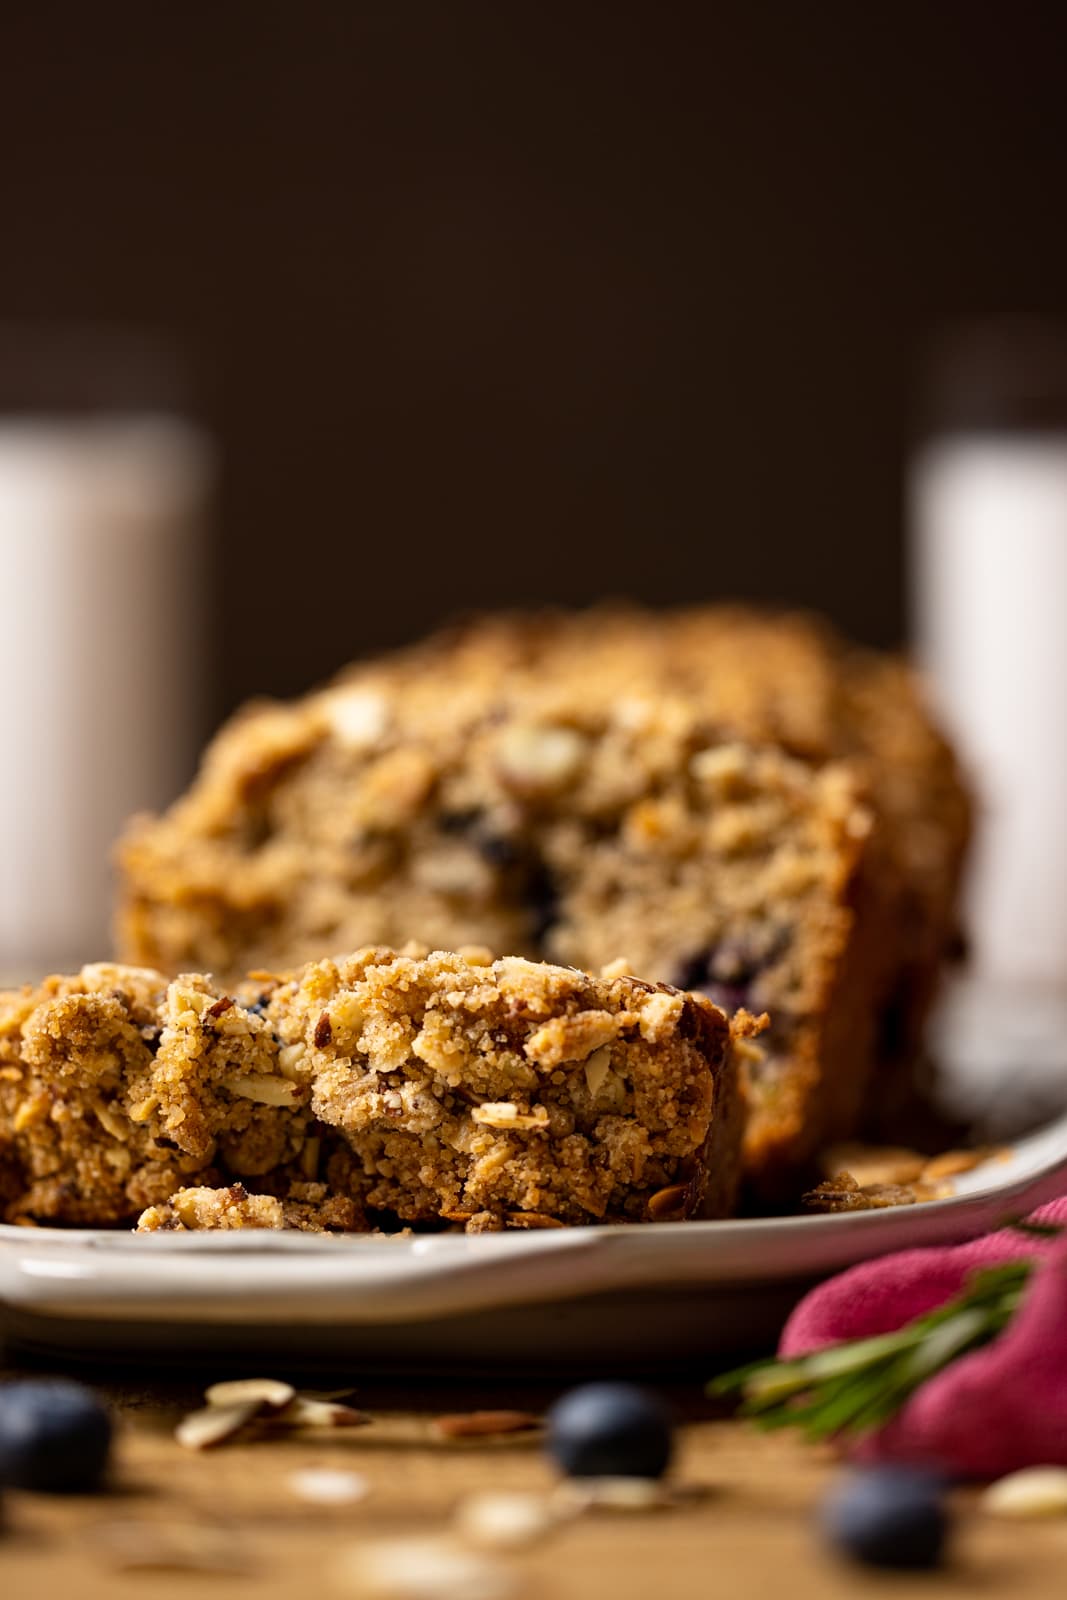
420,1085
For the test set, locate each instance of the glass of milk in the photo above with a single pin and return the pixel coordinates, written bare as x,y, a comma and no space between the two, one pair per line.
104,492
988,523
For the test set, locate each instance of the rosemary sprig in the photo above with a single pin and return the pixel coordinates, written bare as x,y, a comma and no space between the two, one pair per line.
855,1387
1038,1230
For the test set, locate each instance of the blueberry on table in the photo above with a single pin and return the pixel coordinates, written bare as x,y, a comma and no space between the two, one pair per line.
610,1430
888,1517
54,1436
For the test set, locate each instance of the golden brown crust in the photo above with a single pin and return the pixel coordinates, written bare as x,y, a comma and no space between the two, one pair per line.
309,1208
423,1085
516,1087
734,802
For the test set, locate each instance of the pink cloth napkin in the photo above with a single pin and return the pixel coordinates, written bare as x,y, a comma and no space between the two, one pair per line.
988,1413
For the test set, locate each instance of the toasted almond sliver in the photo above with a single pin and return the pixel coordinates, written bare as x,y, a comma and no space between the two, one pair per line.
540,758
669,1205
613,1494
263,1089
112,1121
952,1164
271,1392
1032,1492
202,1430
422,1569
504,1519
357,717
328,1486
289,1059
483,1424
872,1163
503,1114
932,1191
304,1412
597,1067
495,1111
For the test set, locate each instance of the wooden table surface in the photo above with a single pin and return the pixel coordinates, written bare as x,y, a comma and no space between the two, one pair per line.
743,1529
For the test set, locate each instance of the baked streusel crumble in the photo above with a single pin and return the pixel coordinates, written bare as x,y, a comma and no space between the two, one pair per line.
424,1087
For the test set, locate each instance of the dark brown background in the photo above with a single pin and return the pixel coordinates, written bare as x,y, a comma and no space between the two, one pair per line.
513,302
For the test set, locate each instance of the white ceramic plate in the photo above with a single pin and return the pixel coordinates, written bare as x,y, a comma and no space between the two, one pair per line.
566,1297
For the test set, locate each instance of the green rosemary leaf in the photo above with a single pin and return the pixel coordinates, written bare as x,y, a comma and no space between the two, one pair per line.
861,1384
778,1381
950,1339
774,1385
943,1344
838,1359
1038,1230
881,1406
727,1383
987,1282
842,1411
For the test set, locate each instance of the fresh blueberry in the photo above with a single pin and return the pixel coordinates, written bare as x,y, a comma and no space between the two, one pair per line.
729,971
54,1436
610,1430
888,1517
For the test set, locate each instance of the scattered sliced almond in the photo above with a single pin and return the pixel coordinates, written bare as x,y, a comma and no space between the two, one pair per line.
540,758
357,717
232,1405
597,1067
203,1430
136,1546
422,1569
1033,1492
932,1191
112,1121
669,1205
270,1392
503,1114
955,1162
843,1193
263,1089
499,1519
289,1059
328,1486
612,1494
305,1412
483,1424
872,1163
532,1219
